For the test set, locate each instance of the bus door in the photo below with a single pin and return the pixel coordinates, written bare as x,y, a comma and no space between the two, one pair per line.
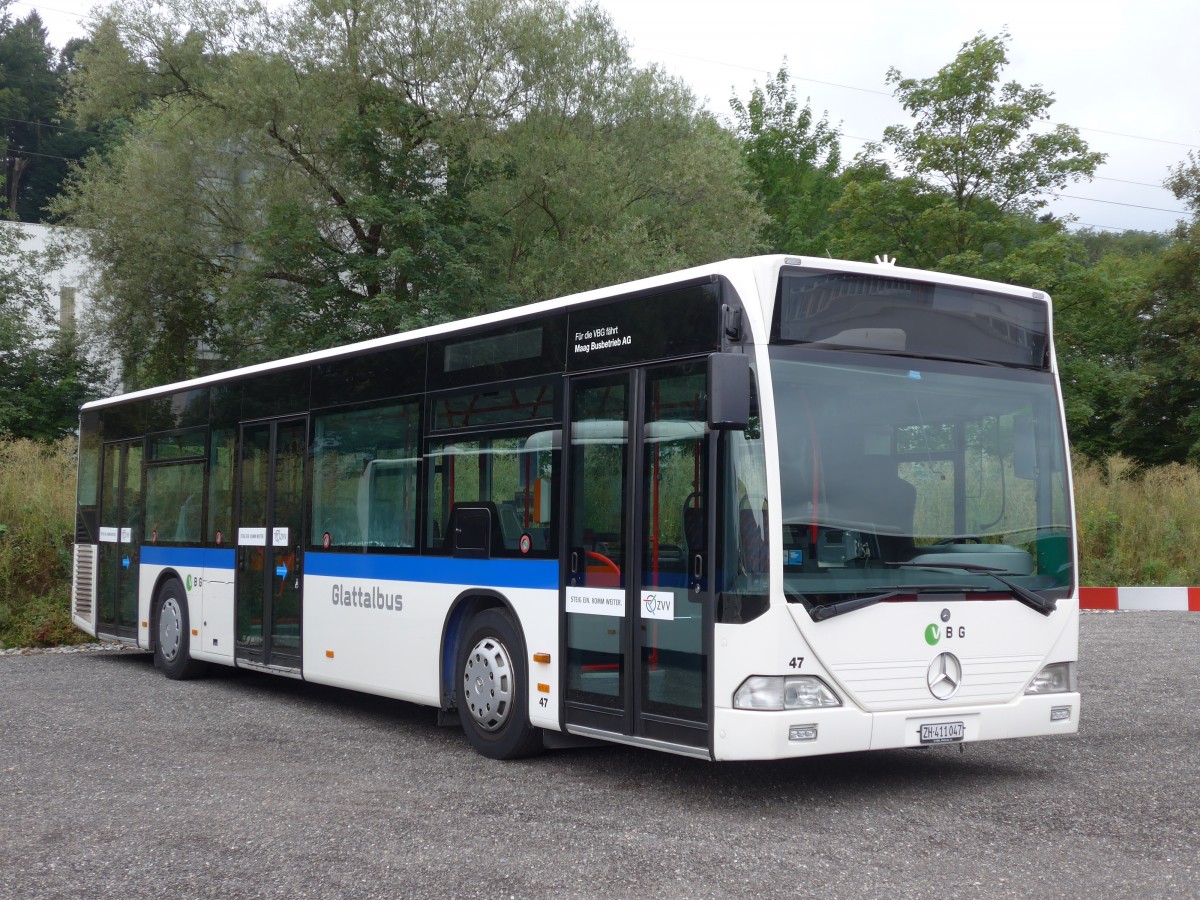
636,600
270,541
120,538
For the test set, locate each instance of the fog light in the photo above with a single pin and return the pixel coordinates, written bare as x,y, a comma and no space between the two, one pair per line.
802,733
1060,713
1058,678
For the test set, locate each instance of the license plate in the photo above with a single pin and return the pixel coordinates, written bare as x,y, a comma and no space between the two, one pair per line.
943,732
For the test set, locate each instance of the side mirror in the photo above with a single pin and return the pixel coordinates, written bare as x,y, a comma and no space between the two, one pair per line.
728,392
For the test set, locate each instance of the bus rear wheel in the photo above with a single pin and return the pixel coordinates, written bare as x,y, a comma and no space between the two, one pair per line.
172,635
493,699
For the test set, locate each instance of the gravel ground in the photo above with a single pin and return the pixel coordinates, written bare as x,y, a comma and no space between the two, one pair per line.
95,647
116,782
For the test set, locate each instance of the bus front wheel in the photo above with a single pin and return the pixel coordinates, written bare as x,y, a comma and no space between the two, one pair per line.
172,637
493,686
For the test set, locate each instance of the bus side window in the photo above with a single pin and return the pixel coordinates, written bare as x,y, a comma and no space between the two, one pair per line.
220,487
511,474
365,478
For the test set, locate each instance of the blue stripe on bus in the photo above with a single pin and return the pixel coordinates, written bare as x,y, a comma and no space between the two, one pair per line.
187,557
501,573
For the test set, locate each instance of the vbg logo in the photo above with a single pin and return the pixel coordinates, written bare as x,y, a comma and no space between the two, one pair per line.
933,633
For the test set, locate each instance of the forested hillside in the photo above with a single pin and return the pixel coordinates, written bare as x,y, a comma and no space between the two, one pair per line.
252,183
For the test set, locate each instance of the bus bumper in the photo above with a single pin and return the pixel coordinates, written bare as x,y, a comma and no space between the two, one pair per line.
758,734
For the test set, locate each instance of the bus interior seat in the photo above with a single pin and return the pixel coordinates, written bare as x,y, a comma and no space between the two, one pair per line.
187,528
876,489
752,542
465,517
693,523
510,525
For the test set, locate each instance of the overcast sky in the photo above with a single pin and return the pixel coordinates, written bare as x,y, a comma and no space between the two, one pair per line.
1124,73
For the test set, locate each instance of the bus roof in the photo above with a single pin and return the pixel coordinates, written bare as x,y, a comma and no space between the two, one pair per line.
757,267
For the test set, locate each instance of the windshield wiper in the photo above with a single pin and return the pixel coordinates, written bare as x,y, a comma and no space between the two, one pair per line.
828,611
910,354
1024,595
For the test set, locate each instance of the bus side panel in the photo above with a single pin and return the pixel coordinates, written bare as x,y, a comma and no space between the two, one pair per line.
374,623
148,574
375,635
203,572
216,624
537,614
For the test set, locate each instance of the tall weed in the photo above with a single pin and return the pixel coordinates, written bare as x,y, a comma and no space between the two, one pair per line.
37,528
1137,526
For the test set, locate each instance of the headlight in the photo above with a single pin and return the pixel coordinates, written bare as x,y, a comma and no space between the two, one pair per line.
784,692
1058,678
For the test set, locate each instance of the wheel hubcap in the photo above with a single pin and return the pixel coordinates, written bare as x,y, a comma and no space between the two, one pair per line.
488,684
170,627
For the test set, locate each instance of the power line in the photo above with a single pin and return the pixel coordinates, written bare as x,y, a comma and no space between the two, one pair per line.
758,70
45,155
70,128
1180,212
1124,181
853,87
1139,137
40,6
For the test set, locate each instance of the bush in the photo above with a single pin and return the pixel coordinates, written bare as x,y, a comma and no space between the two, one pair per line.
37,528
1137,526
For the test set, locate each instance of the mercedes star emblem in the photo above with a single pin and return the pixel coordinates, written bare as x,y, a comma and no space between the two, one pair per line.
944,676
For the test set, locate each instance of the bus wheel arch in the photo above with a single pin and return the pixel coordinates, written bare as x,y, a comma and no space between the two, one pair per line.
489,680
170,630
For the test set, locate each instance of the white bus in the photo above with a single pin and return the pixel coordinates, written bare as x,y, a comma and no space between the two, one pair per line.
765,508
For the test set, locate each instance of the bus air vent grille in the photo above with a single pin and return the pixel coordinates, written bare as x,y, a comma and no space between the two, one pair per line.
84,581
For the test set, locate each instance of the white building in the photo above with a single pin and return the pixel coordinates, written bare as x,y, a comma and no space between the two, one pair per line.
68,291
69,275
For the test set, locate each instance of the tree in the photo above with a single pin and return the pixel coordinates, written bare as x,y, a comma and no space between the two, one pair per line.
1162,419
1099,337
28,98
37,147
973,137
793,160
614,173
337,171
972,165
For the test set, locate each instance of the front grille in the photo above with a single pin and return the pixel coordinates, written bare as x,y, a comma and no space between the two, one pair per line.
901,684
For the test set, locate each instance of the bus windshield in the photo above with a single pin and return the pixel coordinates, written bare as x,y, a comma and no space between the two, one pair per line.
905,478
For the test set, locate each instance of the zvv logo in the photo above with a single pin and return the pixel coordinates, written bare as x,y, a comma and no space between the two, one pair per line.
658,605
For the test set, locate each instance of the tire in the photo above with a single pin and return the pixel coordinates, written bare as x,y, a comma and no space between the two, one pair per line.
172,634
493,688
